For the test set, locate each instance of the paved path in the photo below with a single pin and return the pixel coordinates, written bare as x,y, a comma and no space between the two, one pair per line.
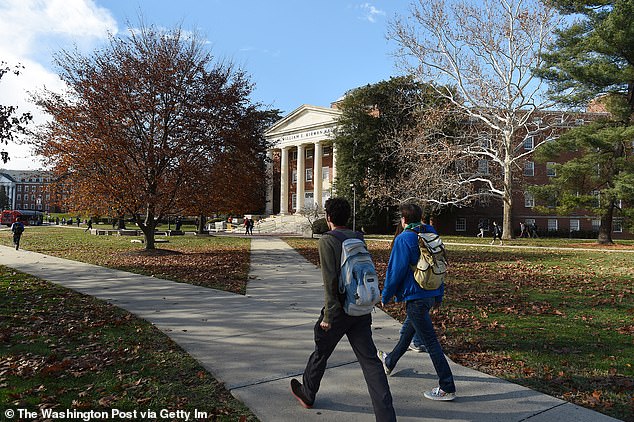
256,343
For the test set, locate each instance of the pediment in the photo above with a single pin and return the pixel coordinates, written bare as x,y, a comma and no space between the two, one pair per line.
304,118
4,179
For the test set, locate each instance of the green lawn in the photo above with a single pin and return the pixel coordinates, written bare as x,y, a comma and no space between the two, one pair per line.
558,321
62,350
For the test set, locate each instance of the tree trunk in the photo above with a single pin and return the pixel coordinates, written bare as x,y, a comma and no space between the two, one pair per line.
148,227
605,231
507,223
202,220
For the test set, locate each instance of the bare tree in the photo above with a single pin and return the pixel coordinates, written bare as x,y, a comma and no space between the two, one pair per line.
478,56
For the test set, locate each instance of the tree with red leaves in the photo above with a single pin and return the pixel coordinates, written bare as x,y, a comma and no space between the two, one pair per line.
143,119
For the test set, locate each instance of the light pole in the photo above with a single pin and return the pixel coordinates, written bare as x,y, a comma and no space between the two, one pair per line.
354,207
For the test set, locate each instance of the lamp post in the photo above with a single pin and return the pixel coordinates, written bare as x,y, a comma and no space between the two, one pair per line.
354,207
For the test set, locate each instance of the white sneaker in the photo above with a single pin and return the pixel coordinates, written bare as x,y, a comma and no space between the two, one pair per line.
382,355
439,395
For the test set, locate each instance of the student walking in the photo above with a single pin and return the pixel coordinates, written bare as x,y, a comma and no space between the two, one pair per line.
334,323
497,233
400,283
480,229
17,228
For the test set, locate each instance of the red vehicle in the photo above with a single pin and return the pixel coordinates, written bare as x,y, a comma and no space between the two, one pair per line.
26,216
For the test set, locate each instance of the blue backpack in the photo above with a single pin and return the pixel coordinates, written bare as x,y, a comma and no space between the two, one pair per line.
358,282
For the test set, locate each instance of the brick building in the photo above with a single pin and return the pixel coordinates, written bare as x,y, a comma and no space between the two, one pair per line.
29,190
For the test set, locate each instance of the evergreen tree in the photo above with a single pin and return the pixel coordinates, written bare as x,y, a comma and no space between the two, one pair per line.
370,115
593,60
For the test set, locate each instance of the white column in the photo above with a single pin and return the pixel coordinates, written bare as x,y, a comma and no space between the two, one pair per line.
317,182
284,182
269,182
334,168
301,177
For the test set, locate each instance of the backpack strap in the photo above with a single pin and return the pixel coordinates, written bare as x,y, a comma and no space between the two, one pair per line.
340,236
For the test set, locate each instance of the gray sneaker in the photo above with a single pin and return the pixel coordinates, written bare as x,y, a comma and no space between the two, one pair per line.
439,395
418,349
382,355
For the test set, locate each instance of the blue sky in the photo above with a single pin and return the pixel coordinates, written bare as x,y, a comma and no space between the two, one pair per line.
296,51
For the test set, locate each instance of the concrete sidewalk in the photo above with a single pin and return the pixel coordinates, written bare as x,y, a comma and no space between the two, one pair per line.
256,343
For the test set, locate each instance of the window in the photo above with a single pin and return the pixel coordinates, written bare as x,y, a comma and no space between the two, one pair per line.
551,171
324,197
294,201
529,200
575,225
483,167
484,199
26,189
461,224
529,168
293,155
19,188
529,143
309,175
19,197
552,224
310,153
294,176
596,224
32,206
327,151
325,173
309,200
617,225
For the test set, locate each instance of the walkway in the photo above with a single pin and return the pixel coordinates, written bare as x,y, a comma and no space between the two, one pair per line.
256,343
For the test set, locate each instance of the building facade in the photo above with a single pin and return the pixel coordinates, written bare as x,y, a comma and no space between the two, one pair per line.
302,171
28,190
301,162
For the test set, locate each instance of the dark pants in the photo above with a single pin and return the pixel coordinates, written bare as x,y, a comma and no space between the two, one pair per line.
420,323
359,333
16,240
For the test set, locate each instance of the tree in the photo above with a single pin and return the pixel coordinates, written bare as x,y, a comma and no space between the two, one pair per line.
597,178
371,115
11,123
140,119
479,56
592,59
233,180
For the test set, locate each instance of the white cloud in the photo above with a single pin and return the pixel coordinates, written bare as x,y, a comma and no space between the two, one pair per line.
31,31
371,12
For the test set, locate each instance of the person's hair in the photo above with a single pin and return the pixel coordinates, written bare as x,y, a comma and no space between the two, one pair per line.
338,209
411,212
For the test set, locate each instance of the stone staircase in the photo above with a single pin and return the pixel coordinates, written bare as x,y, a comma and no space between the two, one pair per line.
283,224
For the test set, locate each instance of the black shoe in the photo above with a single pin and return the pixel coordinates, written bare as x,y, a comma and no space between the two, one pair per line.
296,390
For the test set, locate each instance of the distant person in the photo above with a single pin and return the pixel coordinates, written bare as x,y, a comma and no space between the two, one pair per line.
400,283
497,233
480,229
88,225
57,221
334,323
251,224
17,228
179,223
533,230
246,224
523,232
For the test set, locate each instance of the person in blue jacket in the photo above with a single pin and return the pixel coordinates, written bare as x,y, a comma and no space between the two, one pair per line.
400,283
